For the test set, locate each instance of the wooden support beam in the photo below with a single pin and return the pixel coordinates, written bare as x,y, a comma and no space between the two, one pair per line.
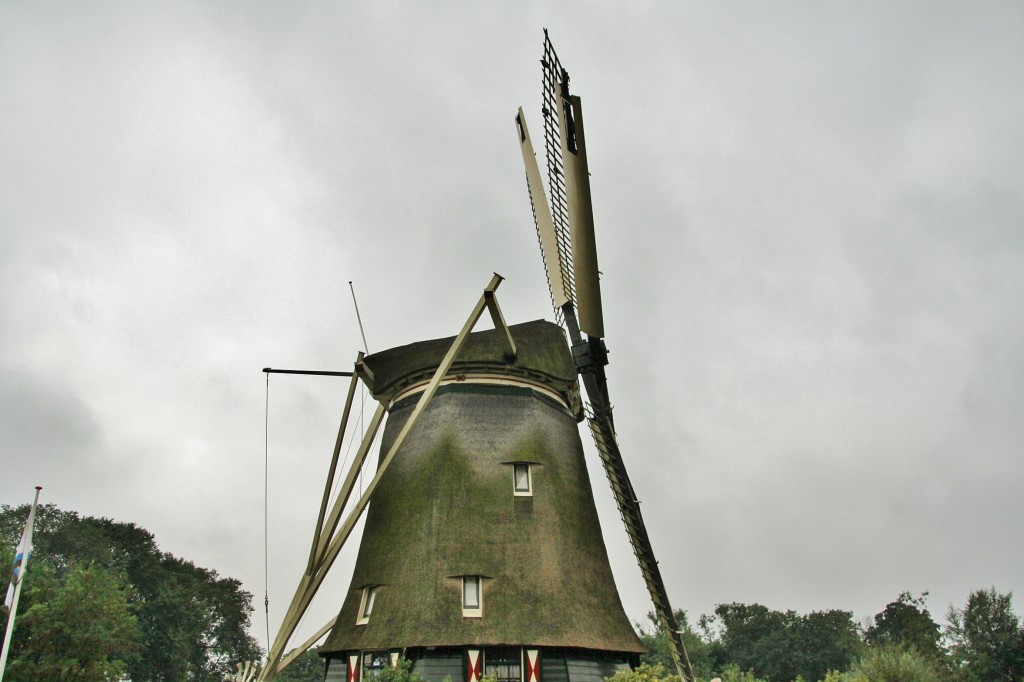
504,334
311,581
304,647
332,470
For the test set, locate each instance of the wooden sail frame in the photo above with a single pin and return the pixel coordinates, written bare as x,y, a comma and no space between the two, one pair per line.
570,212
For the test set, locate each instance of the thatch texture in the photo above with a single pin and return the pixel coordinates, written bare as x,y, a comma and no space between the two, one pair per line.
543,357
445,508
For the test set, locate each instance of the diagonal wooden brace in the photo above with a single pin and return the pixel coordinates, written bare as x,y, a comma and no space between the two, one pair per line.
311,581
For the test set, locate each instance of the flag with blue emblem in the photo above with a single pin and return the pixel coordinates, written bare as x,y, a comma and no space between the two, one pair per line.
20,558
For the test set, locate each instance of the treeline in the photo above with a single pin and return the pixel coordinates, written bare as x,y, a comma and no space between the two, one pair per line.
102,602
982,641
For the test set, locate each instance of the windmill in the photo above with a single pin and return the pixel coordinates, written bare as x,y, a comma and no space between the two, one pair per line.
482,552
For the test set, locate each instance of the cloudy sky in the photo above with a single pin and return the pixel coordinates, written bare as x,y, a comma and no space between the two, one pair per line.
810,221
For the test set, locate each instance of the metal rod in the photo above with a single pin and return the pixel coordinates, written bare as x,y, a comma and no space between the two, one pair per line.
268,370
358,318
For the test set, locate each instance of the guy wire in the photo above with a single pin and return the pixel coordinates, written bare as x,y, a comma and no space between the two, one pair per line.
266,513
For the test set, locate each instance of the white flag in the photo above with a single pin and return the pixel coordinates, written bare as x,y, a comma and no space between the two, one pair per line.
20,558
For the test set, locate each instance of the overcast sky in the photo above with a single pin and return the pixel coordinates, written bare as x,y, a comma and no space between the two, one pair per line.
810,222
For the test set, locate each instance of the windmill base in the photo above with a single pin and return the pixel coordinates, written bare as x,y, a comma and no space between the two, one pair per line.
505,663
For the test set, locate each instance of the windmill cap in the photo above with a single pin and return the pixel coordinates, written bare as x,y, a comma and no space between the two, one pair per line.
543,356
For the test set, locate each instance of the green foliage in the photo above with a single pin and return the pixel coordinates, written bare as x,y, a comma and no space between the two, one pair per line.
403,672
732,673
828,640
189,623
751,643
907,623
756,638
986,641
308,667
653,637
79,627
890,663
778,645
644,673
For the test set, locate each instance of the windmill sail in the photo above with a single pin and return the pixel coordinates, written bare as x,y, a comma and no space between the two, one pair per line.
569,184
557,270
572,215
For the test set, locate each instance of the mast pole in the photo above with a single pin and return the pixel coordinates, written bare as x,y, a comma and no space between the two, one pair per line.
26,545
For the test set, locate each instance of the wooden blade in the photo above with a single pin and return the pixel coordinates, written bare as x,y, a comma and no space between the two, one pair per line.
629,509
581,217
554,261
599,416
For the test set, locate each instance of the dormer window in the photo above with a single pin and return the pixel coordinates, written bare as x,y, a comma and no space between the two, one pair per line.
522,479
366,604
472,596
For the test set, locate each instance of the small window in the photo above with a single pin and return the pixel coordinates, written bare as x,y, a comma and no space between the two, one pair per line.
375,662
472,596
522,479
366,605
503,664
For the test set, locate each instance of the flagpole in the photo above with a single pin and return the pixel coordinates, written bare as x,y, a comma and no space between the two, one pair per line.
25,545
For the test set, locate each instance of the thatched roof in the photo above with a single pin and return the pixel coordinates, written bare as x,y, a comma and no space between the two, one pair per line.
445,509
542,356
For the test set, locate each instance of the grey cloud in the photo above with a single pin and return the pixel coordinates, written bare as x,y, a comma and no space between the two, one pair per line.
808,222
50,421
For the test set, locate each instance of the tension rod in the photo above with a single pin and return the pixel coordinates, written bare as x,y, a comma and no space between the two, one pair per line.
268,370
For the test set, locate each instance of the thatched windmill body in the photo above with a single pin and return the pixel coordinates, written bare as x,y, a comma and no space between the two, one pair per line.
482,552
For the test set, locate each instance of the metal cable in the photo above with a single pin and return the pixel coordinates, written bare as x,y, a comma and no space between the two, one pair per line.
266,512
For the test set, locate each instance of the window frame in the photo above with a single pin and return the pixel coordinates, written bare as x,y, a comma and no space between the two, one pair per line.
469,611
516,490
366,603
507,660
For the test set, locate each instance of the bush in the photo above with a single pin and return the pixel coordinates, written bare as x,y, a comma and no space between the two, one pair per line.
400,673
890,663
645,673
732,673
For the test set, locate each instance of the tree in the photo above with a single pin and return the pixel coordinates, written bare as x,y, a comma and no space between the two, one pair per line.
191,624
759,639
828,640
80,627
986,639
308,667
653,637
778,645
906,622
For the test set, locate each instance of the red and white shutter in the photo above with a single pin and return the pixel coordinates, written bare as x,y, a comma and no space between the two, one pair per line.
532,665
475,665
353,667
